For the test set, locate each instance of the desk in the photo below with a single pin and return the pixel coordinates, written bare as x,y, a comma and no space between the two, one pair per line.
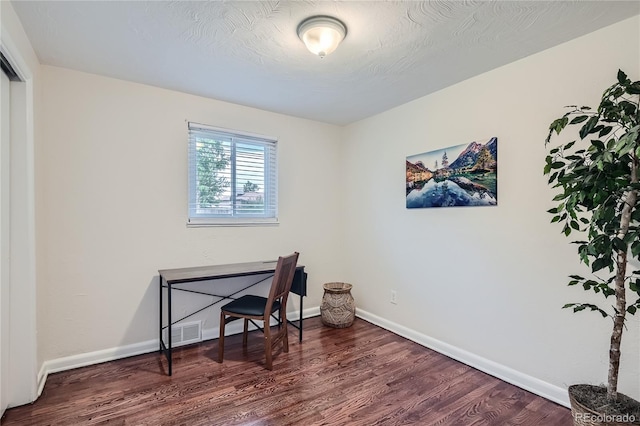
170,277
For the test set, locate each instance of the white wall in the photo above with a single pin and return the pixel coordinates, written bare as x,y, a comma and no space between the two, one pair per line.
489,281
111,198
19,351
113,176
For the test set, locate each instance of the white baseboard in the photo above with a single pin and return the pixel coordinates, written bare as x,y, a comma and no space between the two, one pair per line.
546,390
509,375
91,358
112,354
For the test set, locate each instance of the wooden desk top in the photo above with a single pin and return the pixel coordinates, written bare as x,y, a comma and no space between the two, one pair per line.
202,273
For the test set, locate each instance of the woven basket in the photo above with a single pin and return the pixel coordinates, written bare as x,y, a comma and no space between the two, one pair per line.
584,416
338,309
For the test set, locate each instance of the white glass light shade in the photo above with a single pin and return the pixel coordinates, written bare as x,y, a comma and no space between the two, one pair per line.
321,34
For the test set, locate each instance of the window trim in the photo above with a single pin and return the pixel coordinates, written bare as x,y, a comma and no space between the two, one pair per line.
204,221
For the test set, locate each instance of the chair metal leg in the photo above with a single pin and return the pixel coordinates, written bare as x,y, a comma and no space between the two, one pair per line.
221,339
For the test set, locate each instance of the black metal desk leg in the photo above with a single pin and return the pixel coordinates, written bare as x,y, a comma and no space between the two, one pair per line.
169,333
160,341
300,335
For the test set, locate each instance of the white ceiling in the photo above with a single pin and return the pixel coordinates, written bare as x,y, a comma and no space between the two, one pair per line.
248,52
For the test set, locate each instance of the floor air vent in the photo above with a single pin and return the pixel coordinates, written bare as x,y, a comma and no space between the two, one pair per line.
185,333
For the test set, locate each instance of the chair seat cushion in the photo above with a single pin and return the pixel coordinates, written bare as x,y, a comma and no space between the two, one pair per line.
249,305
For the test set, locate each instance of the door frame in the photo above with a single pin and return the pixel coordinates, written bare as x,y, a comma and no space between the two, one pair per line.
23,380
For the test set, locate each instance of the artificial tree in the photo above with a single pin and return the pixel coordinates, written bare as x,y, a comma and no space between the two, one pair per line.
597,176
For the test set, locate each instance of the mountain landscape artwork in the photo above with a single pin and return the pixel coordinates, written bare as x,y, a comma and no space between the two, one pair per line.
461,175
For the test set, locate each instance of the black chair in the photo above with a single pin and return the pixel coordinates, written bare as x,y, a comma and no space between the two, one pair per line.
250,308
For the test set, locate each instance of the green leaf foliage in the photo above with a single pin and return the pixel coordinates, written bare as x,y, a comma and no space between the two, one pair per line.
634,88
588,127
596,177
579,119
622,77
577,307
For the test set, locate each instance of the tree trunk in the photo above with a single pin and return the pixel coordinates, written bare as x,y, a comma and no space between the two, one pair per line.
621,272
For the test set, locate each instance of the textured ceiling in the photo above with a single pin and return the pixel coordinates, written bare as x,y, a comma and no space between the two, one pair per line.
248,52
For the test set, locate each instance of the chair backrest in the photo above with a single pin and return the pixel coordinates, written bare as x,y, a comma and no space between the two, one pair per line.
282,280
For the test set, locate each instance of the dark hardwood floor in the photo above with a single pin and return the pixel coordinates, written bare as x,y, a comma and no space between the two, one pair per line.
362,375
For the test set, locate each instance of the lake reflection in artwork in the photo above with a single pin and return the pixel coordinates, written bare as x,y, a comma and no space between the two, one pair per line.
461,175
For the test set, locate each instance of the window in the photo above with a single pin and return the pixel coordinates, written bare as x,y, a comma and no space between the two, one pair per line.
232,177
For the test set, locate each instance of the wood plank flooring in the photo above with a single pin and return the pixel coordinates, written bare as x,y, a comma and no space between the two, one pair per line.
362,375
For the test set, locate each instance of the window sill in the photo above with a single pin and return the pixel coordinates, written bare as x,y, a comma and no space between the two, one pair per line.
202,222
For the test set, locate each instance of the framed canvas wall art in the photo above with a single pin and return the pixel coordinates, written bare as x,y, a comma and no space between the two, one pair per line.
460,175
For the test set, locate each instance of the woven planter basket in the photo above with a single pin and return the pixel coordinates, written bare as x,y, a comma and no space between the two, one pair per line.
338,309
584,416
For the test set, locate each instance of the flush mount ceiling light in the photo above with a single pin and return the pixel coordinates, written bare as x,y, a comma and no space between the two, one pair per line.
321,34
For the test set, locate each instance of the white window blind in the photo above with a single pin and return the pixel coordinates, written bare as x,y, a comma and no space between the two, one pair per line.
232,177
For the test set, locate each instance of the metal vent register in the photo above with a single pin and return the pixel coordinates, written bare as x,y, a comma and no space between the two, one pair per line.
185,333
